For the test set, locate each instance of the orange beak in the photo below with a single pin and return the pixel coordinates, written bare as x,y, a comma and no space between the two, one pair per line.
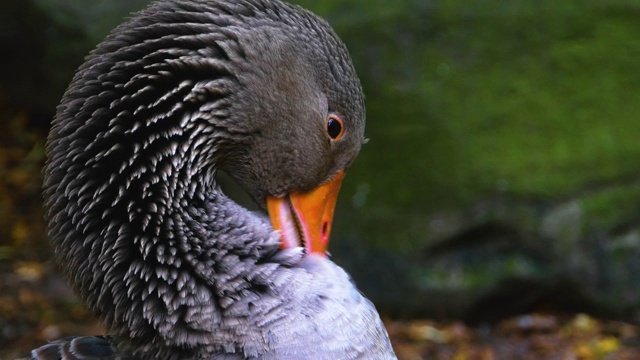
304,219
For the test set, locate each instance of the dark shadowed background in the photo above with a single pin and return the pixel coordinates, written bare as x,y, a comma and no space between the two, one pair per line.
502,176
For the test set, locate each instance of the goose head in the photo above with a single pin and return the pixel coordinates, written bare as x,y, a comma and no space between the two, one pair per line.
260,89
301,108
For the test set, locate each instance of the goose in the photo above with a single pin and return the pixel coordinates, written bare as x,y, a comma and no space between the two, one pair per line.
261,90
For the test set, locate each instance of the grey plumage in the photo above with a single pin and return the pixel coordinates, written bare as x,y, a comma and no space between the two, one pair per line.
174,268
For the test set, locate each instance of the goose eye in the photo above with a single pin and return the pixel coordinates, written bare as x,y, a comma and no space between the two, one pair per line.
335,128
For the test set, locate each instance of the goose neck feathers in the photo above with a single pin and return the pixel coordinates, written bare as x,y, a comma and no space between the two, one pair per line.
172,266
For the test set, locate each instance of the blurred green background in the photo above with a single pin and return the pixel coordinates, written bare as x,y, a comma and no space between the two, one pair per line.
503,171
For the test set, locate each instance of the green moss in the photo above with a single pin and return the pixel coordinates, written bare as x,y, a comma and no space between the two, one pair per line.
535,100
612,207
534,109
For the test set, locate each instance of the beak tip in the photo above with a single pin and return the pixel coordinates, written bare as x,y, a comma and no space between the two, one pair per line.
309,213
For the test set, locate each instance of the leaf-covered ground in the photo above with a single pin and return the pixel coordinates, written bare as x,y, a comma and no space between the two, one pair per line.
36,305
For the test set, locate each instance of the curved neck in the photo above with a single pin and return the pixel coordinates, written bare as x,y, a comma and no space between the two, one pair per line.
193,280
138,223
165,255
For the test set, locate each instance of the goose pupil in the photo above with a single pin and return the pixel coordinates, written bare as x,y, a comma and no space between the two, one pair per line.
334,128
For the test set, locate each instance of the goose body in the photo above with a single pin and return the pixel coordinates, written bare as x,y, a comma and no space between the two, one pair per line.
260,89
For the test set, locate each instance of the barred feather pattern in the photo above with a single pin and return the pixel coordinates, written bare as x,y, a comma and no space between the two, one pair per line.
174,268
